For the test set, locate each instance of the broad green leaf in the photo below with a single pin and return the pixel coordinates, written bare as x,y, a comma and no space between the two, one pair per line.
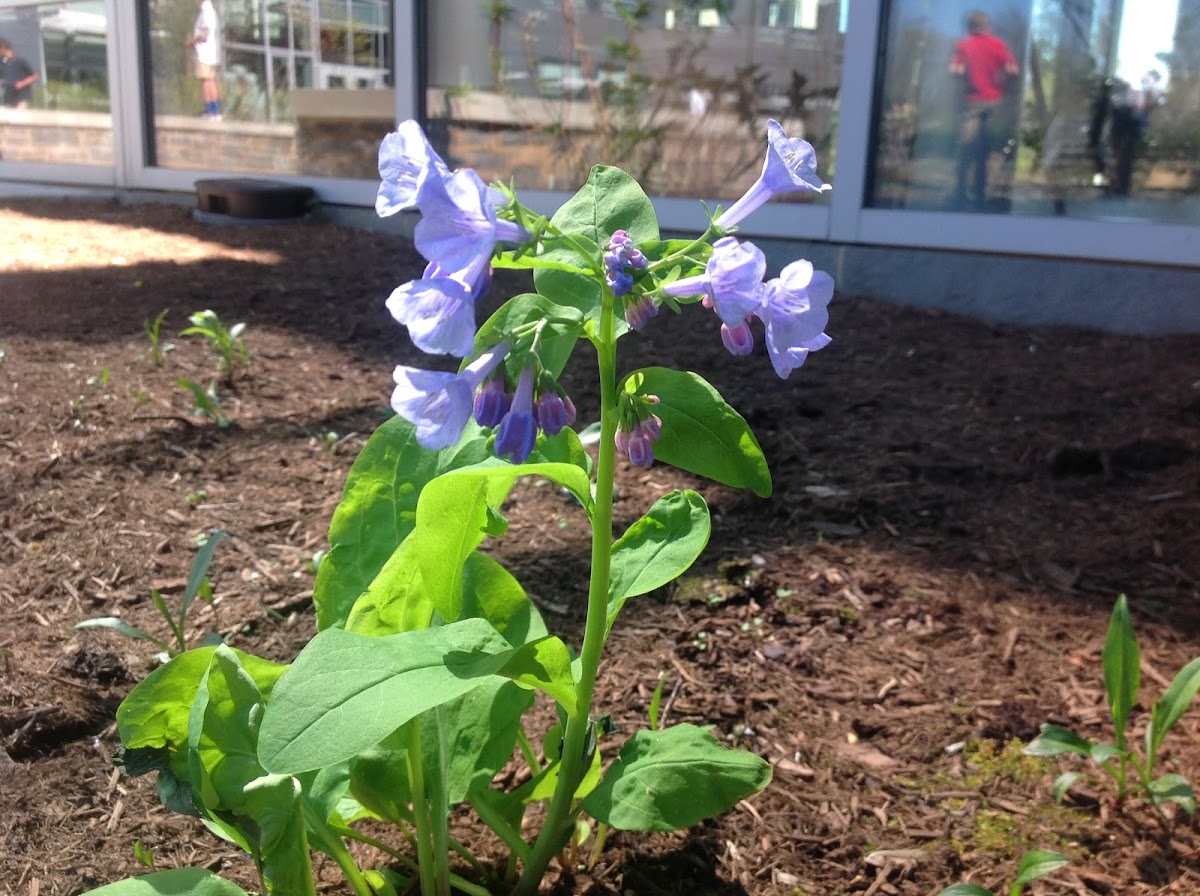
379,778
1122,667
1175,701
477,733
175,882
670,780
558,338
491,592
965,890
116,624
610,201
276,805
1173,788
1102,753
546,666
378,509
1037,863
1063,783
701,433
346,692
542,786
658,548
396,600
1055,740
155,713
223,732
564,448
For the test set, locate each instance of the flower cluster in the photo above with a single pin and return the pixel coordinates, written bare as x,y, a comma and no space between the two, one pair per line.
462,222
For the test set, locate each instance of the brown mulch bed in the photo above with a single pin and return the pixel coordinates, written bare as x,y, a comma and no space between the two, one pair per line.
957,506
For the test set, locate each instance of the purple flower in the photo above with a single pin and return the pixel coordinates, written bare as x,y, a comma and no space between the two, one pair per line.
492,401
638,443
639,310
739,340
621,257
732,280
517,432
790,165
458,222
406,164
439,404
439,308
795,313
554,411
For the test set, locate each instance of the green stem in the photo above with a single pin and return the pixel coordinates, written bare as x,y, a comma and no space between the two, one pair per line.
432,868
500,826
527,751
682,253
560,817
330,842
598,846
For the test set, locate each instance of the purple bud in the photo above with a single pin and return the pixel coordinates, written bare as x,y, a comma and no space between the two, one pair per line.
492,401
641,449
552,413
517,432
739,340
639,311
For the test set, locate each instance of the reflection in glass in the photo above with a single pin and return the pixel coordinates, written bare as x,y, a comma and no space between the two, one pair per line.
305,86
1101,120
63,115
677,93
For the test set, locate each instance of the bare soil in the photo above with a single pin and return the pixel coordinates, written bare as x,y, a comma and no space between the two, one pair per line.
957,506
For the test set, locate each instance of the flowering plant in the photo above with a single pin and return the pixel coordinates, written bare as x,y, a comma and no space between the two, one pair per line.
411,696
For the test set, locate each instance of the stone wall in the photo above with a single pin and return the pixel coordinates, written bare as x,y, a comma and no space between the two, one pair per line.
62,138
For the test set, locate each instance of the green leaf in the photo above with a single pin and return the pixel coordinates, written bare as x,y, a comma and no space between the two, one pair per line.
346,692
1055,740
276,805
701,433
1175,701
176,882
670,780
1063,783
965,890
155,713
658,548
199,570
512,261
546,666
1173,788
120,626
557,338
1122,667
378,509
1037,863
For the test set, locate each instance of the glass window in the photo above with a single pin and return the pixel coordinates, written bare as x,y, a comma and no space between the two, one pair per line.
1085,108
274,100
54,67
677,93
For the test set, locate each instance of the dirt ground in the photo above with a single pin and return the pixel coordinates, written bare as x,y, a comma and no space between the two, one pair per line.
957,506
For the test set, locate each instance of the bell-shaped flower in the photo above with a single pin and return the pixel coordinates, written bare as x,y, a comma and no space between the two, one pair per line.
439,404
517,432
458,222
439,308
795,312
790,166
732,280
406,164
639,310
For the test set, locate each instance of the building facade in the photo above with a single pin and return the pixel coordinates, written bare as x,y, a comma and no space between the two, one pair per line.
1067,191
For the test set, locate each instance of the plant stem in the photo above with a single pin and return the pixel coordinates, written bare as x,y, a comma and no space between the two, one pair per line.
432,868
560,817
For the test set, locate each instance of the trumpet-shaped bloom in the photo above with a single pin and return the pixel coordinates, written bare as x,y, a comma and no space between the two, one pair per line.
639,311
732,279
795,312
517,432
439,404
406,163
790,166
458,223
554,412
492,401
439,308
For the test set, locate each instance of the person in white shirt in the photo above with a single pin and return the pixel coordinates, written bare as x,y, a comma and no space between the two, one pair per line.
205,43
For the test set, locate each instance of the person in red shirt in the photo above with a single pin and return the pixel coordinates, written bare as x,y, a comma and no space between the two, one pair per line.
984,64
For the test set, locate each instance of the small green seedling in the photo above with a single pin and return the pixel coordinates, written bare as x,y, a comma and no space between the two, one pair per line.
1121,659
1034,864
198,585
206,402
158,349
227,344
